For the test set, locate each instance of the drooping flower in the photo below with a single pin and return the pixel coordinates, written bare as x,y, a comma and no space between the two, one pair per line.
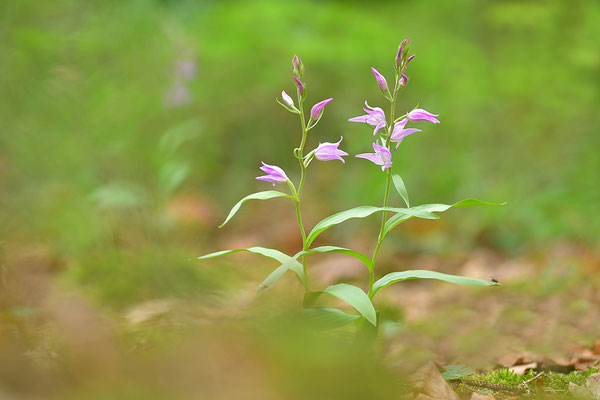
418,114
380,80
399,132
287,100
298,69
301,87
382,156
374,117
317,109
274,174
329,151
403,80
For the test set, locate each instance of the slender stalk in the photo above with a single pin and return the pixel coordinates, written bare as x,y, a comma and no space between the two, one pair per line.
300,156
387,190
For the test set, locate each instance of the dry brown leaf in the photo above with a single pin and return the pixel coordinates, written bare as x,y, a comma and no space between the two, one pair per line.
509,360
522,368
431,385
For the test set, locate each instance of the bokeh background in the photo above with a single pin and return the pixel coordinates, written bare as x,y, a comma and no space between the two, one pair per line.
129,129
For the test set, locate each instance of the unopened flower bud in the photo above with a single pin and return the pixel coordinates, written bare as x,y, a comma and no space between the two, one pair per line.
317,110
301,87
380,80
400,49
287,99
407,61
298,69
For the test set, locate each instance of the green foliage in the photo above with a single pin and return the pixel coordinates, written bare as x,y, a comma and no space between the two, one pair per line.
401,188
266,195
362,212
394,277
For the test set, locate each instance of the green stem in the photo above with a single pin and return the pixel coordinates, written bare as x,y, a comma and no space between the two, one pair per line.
386,195
300,156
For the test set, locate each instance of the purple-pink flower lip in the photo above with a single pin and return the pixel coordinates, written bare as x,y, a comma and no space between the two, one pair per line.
382,156
380,80
317,109
418,114
329,151
274,174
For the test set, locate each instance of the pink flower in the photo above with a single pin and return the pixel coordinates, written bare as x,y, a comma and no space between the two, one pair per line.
317,110
274,174
329,151
374,117
399,133
380,80
382,156
418,114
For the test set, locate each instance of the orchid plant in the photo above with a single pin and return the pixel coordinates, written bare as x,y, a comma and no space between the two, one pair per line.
389,131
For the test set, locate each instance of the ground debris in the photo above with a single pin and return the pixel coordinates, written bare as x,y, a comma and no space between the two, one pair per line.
429,384
590,388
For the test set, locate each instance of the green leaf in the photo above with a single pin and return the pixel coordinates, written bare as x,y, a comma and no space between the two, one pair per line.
334,249
457,371
360,212
268,194
327,318
286,261
394,277
273,277
401,188
356,298
427,209
290,109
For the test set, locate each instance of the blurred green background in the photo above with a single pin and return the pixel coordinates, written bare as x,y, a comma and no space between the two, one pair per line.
129,129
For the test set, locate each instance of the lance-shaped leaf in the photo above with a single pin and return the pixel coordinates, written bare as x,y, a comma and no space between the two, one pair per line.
327,318
394,277
401,188
267,194
334,249
431,208
286,261
361,212
350,294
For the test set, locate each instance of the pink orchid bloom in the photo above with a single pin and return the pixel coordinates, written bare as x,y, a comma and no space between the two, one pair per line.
418,114
382,156
274,174
374,117
329,151
399,132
